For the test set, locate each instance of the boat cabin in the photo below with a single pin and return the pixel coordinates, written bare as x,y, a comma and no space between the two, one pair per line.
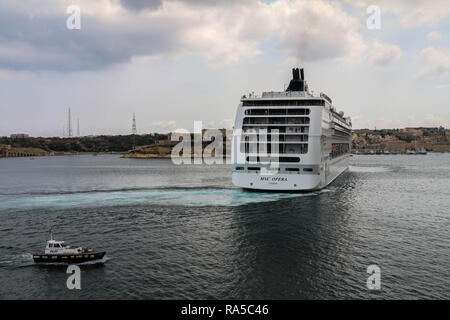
60,247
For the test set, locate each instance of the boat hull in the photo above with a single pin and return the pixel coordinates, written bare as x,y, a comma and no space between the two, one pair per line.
326,174
68,258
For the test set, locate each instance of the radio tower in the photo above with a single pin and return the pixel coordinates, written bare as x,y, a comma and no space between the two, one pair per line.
133,129
78,127
69,125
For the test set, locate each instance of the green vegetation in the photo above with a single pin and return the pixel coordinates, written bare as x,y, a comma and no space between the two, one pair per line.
85,144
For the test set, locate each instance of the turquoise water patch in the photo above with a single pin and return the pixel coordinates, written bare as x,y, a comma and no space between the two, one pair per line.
182,197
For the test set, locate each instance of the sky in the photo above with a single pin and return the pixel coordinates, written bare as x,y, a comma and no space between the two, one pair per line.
173,62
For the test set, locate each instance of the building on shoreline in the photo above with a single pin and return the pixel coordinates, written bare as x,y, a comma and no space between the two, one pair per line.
408,140
7,151
19,136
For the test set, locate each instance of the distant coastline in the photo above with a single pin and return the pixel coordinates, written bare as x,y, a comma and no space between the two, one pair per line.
159,146
24,146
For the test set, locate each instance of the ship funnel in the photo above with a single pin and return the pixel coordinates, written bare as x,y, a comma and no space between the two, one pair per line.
295,74
298,80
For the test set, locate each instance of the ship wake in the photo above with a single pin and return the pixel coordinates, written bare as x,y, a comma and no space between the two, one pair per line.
163,196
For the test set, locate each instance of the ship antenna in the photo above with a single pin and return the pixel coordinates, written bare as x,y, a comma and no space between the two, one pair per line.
51,233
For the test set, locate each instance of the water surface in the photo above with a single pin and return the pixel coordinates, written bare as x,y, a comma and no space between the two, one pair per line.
186,232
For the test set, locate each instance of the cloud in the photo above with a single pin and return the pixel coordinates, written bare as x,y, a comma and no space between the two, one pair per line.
384,54
435,63
39,40
435,121
36,38
435,36
222,32
225,123
316,30
138,5
163,126
411,13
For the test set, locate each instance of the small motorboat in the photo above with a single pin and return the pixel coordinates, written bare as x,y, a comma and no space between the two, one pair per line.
59,252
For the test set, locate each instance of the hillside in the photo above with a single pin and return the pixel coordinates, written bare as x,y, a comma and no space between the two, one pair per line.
30,146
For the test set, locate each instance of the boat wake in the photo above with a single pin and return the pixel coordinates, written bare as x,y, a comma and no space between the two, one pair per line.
19,260
165,196
369,169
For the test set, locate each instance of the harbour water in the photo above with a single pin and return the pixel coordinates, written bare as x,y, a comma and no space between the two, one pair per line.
176,232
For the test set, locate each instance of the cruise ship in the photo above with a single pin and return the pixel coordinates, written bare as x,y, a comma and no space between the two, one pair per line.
293,140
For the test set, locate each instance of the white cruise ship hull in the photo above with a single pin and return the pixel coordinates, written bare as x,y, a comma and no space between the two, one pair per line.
290,140
292,182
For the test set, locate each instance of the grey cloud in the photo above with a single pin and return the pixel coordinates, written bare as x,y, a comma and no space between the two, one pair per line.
138,5
43,42
383,54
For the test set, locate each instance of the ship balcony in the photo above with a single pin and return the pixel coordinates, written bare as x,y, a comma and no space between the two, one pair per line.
276,142
275,124
277,112
281,148
275,139
275,130
274,156
276,121
271,133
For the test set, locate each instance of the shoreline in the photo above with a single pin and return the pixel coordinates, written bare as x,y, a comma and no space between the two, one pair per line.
59,154
126,155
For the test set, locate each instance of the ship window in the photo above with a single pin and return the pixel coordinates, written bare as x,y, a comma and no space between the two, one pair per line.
303,102
276,112
275,120
50,245
253,168
308,169
289,159
256,112
239,168
298,111
57,245
274,159
294,148
292,169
